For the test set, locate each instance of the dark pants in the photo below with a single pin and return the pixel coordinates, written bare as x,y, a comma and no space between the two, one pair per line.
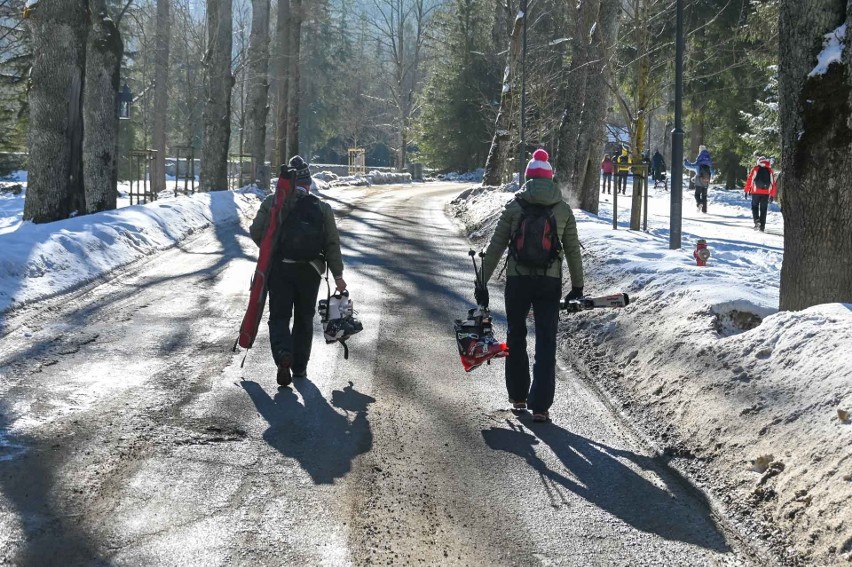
621,181
759,204
542,293
701,197
607,183
293,292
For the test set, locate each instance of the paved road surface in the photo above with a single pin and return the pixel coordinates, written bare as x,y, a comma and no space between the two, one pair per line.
137,439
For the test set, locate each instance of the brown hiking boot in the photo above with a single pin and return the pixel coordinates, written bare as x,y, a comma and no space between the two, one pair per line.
284,378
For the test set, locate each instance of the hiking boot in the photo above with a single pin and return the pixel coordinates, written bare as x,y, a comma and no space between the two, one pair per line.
300,373
518,406
541,417
757,225
284,378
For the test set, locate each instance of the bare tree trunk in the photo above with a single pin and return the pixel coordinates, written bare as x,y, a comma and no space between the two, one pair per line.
282,33
816,156
497,163
590,142
642,40
161,96
258,103
567,158
104,50
216,118
294,78
58,36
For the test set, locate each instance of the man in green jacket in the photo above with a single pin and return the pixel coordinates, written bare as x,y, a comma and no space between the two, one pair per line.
539,287
306,240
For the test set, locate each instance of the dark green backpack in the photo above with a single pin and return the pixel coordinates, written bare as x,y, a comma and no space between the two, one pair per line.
303,231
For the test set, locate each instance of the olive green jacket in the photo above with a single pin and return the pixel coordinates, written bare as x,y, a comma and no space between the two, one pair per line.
332,238
536,192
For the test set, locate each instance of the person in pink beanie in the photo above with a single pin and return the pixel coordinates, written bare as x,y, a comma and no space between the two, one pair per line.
539,229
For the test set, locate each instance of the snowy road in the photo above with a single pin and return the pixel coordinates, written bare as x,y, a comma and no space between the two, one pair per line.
135,438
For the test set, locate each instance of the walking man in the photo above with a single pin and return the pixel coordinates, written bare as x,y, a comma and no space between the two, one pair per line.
762,187
305,241
539,229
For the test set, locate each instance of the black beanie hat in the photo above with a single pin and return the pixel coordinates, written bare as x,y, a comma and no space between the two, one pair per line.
303,172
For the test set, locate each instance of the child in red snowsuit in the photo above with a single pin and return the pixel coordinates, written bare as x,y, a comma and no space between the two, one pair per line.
762,187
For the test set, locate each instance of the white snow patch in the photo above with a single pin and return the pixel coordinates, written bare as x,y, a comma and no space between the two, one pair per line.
42,260
832,51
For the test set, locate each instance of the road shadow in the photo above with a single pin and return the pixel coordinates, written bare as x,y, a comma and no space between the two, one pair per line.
595,472
34,496
321,439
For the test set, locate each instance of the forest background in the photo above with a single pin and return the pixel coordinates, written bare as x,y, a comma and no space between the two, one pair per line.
421,80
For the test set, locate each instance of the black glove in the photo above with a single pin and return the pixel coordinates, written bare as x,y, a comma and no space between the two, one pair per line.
481,295
575,293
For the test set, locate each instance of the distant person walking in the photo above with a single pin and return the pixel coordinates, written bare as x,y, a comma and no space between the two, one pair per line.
539,229
658,168
703,168
306,239
622,171
607,169
762,187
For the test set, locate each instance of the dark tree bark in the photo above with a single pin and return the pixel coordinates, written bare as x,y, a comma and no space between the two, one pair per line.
258,103
497,164
294,77
216,118
590,142
55,183
104,50
816,157
567,158
161,96
282,67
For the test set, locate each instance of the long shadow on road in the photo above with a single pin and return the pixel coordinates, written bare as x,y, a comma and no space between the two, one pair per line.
322,440
593,472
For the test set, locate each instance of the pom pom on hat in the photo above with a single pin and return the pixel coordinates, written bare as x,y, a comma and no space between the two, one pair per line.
538,167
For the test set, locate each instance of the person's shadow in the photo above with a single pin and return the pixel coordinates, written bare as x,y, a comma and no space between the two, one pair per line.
323,441
593,471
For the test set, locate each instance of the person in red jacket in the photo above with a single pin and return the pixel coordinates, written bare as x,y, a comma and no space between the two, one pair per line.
607,169
762,187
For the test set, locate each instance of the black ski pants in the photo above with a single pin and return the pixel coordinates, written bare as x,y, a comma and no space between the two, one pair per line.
701,197
759,204
542,293
293,290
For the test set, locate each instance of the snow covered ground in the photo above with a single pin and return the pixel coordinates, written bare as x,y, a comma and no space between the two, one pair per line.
44,260
743,397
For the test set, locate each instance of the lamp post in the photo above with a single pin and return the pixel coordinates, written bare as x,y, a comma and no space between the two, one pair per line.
676,211
522,149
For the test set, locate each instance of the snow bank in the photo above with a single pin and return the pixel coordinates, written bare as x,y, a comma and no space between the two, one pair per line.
371,178
468,177
42,260
742,397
